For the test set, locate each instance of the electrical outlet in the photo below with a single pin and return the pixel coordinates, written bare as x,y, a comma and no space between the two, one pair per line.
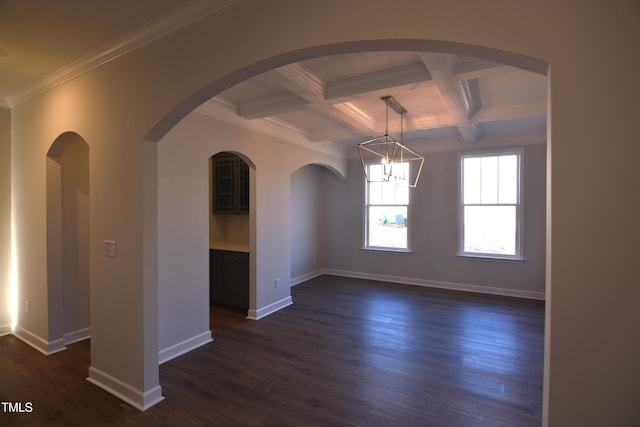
277,281
110,248
26,307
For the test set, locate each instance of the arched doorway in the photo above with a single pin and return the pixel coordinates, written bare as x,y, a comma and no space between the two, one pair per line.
68,241
262,249
308,219
184,109
231,230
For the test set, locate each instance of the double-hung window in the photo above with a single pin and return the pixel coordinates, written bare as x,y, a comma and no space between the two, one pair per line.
490,204
386,209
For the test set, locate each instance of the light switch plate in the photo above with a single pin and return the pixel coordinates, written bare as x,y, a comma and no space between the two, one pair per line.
110,248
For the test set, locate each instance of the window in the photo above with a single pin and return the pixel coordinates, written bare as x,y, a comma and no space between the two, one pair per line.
386,210
490,211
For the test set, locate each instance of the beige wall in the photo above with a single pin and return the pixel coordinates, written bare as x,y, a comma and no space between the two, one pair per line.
591,48
5,220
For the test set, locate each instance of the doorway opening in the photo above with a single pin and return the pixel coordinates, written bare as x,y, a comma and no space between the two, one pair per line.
68,193
230,222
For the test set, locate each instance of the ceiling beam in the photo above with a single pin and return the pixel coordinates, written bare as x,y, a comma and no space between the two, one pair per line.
440,67
306,85
509,112
370,82
304,89
283,102
469,91
356,118
298,80
473,68
225,111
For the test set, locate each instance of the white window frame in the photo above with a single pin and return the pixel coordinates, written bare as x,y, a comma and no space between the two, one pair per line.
367,205
519,205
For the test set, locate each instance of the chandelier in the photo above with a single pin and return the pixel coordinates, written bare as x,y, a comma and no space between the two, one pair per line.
386,159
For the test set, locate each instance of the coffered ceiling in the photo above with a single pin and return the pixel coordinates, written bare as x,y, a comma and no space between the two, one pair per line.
337,99
330,101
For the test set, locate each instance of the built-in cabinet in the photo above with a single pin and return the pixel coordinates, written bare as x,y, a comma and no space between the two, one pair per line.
229,278
230,184
228,228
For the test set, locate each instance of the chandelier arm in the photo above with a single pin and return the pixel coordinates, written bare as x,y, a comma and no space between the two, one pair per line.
388,154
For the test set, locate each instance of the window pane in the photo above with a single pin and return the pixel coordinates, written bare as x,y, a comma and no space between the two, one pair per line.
375,172
388,226
508,186
471,184
388,193
375,193
402,195
489,180
490,229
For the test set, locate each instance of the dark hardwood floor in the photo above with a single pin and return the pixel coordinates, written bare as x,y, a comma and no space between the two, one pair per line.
349,352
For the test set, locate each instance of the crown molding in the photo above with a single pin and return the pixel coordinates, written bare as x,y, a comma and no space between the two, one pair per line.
165,24
222,110
300,81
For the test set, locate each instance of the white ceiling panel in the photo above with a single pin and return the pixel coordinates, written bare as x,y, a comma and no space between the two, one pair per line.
337,99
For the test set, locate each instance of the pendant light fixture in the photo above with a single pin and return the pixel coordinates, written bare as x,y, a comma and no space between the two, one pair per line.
386,159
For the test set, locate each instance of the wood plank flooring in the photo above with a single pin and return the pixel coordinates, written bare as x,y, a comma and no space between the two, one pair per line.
348,352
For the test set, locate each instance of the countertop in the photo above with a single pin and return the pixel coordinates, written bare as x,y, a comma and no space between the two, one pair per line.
229,246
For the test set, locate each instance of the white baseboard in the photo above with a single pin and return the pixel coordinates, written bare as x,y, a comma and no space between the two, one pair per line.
305,277
134,397
50,347
75,336
183,347
43,346
440,285
269,309
5,329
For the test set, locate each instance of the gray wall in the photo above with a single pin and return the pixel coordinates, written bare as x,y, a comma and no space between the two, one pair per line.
307,221
67,166
433,260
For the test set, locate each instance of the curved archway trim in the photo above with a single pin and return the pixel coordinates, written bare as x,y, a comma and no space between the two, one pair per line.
188,105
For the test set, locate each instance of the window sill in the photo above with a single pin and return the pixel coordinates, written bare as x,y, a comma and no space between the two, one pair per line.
490,257
392,250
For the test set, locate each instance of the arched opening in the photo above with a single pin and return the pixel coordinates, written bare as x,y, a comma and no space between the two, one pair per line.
309,217
189,231
68,241
437,46
301,262
232,177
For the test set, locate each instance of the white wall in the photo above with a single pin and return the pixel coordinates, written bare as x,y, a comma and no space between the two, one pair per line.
183,227
434,230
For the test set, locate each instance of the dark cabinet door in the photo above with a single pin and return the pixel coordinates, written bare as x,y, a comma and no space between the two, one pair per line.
230,184
243,187
229,278
235,290
224,184
215,276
